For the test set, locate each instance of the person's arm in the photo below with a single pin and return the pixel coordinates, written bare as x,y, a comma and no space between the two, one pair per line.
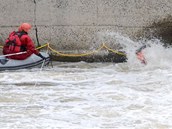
140,49
40,55
31,48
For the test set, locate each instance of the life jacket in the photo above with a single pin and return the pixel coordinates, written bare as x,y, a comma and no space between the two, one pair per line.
13,43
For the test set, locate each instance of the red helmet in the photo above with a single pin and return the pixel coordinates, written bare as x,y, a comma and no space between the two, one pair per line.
25,27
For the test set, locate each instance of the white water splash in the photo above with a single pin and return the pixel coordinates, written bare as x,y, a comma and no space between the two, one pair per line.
92,95
156,54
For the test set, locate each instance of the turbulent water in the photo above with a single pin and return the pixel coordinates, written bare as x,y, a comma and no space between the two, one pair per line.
91,95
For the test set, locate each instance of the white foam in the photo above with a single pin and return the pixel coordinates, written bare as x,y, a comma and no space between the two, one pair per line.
91,96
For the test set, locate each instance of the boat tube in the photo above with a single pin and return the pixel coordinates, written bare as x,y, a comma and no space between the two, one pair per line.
30,62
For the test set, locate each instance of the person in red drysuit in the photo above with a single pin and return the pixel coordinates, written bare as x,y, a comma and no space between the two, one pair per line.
20,41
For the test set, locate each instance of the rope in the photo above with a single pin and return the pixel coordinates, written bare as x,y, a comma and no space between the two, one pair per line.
74,55
86,54
45,45
114,51
36,82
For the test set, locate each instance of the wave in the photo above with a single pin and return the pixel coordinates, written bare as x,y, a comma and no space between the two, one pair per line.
156,54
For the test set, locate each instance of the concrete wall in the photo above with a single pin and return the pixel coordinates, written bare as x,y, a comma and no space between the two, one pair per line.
74,24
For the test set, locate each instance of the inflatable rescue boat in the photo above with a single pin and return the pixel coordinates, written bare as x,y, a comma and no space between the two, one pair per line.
30,62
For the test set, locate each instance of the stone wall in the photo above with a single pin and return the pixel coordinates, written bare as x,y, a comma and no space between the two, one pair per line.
75,24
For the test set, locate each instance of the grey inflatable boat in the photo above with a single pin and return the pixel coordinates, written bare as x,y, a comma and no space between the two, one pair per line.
30,62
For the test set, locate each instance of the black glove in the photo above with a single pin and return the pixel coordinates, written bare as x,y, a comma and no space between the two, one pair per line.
41,56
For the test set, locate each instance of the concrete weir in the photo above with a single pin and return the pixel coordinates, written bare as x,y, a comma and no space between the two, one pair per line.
74,25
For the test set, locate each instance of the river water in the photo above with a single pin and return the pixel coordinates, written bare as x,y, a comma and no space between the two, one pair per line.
91,95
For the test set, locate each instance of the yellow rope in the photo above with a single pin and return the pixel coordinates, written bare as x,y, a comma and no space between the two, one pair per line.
114,51
74,55
86,54
42,46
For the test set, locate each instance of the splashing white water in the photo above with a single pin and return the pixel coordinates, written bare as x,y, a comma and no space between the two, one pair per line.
156,54
92,95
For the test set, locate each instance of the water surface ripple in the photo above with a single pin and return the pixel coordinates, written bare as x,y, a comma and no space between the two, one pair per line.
86,96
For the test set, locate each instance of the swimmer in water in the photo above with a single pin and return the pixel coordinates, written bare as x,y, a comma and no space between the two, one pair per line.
140,55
